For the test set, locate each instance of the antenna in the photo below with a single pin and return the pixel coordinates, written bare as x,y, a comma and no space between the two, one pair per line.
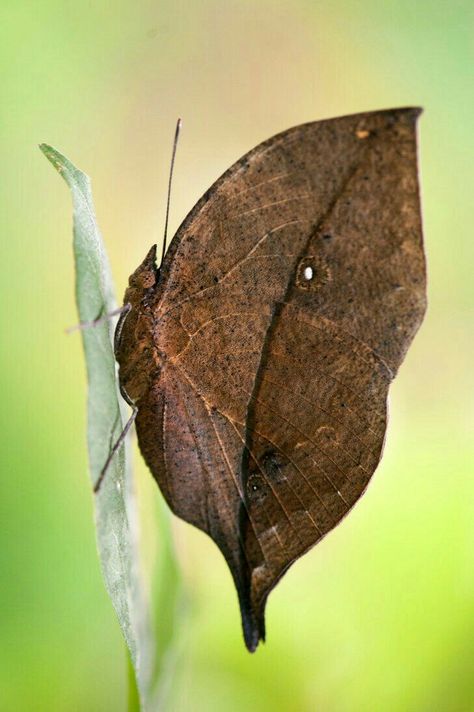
173,156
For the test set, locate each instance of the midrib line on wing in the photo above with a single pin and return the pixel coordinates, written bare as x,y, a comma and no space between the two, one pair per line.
277,309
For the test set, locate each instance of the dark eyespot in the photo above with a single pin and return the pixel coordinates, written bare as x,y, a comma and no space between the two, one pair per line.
273,464
256,488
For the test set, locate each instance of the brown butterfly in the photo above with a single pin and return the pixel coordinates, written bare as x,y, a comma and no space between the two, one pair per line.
258,356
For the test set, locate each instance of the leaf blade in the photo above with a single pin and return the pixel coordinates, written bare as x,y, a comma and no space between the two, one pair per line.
115,506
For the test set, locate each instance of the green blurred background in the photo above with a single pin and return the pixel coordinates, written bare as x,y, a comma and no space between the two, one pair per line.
380,616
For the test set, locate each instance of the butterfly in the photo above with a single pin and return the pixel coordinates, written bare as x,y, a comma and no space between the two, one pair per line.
259,354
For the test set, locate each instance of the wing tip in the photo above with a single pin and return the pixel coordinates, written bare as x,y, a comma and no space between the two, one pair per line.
406,114
412,112
253,627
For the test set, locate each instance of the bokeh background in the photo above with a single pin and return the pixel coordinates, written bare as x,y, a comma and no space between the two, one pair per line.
379,616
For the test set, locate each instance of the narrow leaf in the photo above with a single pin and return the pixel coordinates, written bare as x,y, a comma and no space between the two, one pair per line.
115,505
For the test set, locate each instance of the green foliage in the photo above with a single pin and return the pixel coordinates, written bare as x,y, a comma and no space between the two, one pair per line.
115,503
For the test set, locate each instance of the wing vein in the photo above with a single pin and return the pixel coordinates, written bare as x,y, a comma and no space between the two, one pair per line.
307,437
208,478
234,480
315,405
234,267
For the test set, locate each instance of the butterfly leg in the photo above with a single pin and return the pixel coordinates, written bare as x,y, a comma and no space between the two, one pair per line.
100,319
115,449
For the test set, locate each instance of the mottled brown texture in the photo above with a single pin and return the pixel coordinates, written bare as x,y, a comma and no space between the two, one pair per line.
260,353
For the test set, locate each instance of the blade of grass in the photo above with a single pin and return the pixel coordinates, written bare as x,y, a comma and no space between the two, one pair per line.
133,694
115,503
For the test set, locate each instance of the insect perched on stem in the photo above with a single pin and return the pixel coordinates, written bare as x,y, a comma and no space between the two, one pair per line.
258,355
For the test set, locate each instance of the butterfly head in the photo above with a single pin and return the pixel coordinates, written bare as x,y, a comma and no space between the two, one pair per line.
134,342
143,279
